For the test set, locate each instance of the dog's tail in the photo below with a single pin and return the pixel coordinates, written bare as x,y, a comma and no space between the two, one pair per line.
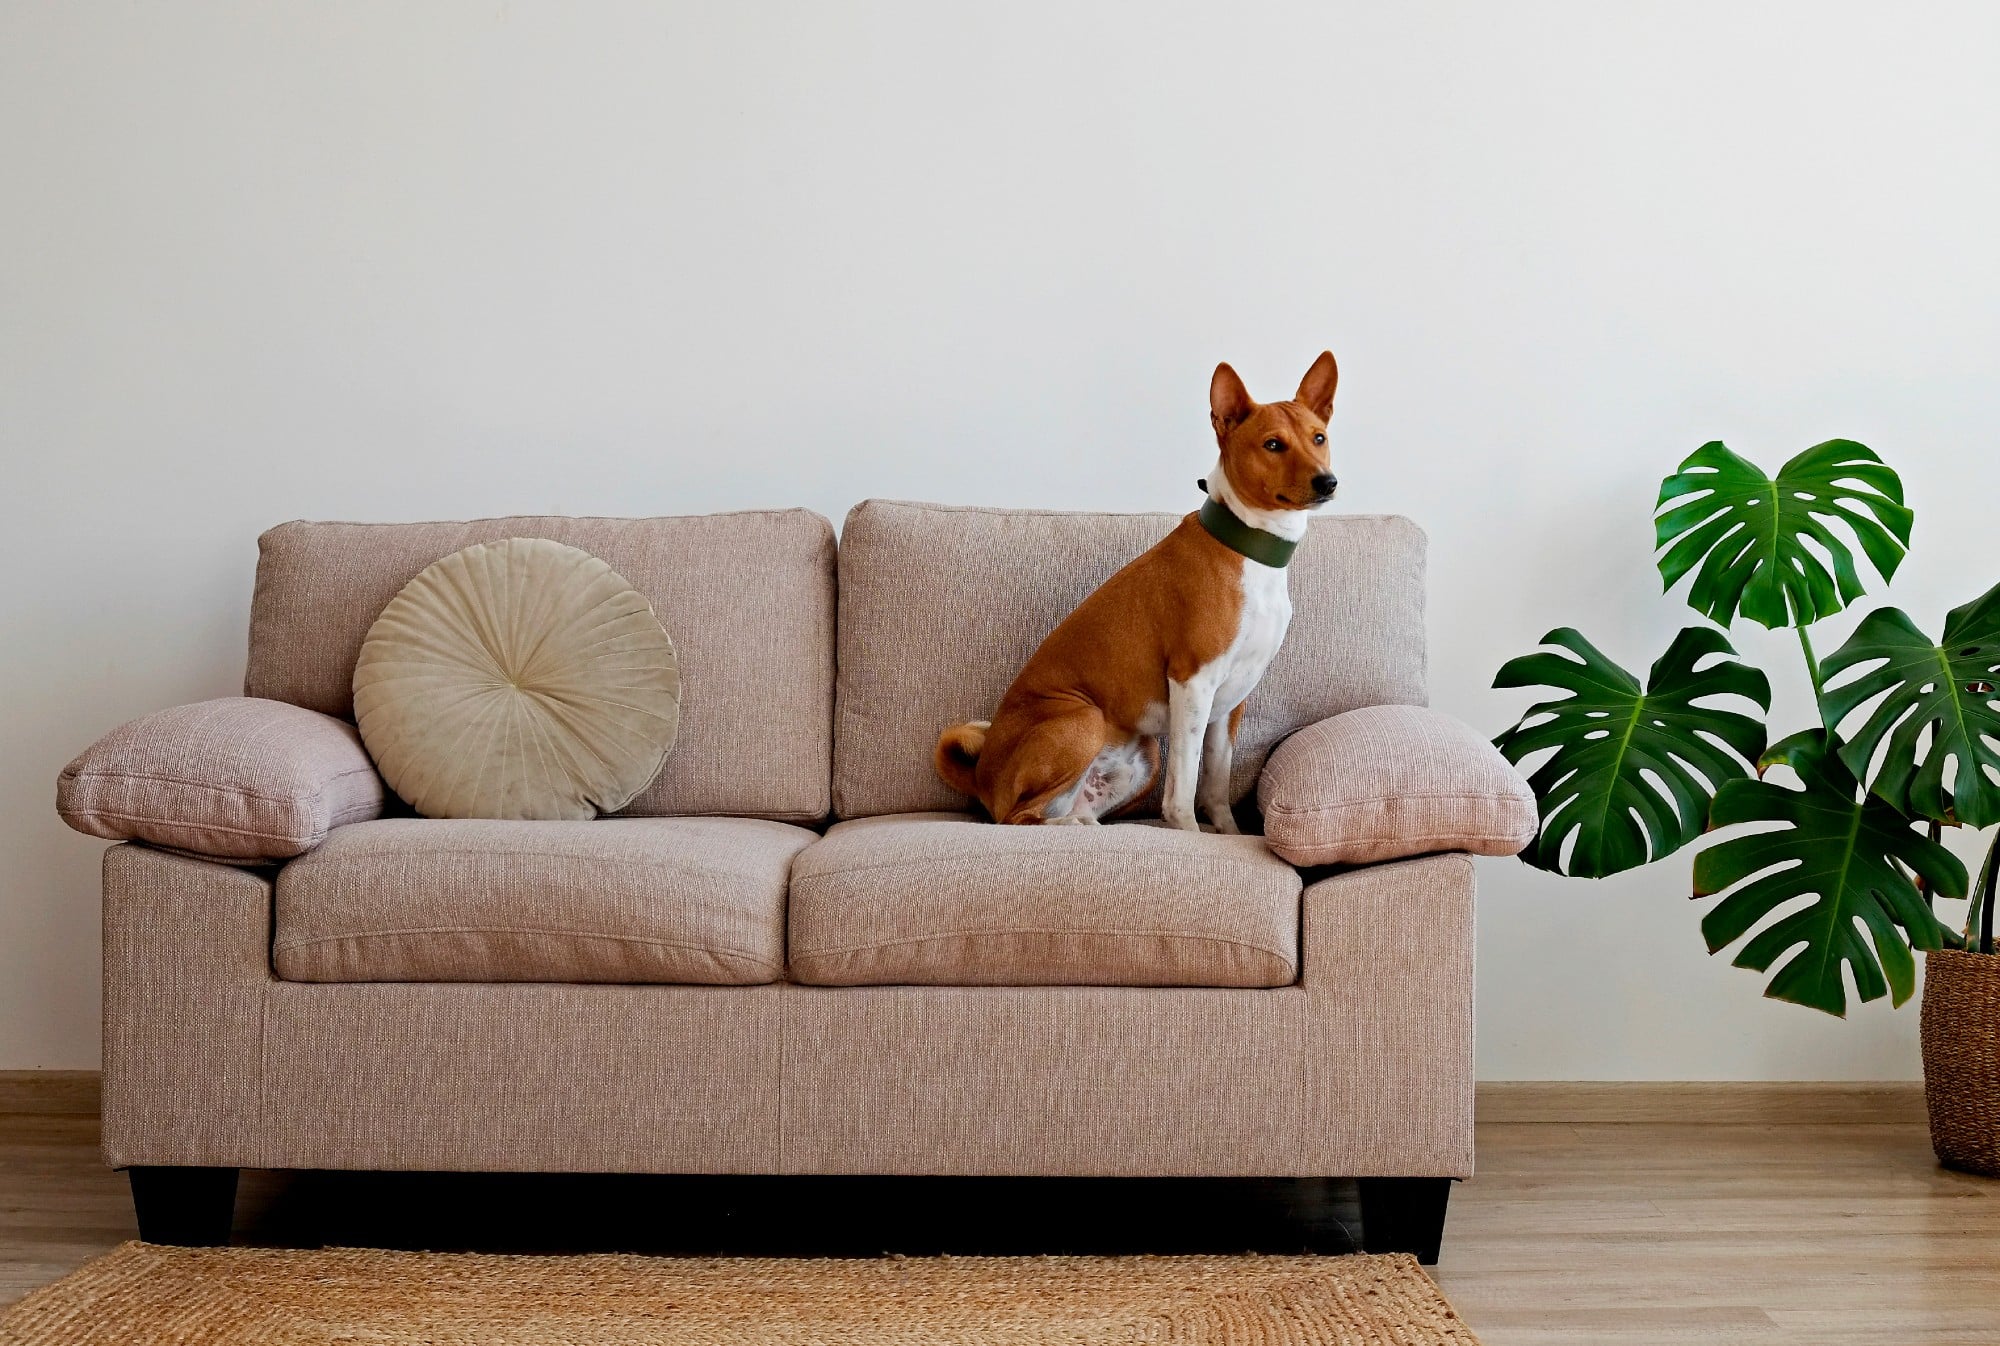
957,755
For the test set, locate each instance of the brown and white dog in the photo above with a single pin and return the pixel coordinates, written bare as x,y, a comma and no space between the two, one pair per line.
1172,644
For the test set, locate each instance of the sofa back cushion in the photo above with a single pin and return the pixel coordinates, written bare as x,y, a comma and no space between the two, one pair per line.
940,607
747,598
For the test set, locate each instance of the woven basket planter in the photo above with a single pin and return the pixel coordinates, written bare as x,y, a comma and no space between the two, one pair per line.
1961,1036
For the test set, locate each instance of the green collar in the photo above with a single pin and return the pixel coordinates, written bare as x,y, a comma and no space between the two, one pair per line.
1265,548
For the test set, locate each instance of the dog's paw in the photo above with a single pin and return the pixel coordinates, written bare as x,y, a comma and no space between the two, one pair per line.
1073,820
1224,822
1184,821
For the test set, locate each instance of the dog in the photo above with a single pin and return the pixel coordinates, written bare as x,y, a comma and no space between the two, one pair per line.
1171,645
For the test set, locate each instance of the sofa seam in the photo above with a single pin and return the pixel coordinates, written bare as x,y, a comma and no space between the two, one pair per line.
618,862
1303,1093
264,1032
930,867
784,1082
289,946
1001,934
113,815
936,507
354,813
1334,805
793,817
190,783
1314,857
1447,834
564,518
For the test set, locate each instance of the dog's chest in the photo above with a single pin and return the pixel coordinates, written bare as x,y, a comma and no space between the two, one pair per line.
1267,612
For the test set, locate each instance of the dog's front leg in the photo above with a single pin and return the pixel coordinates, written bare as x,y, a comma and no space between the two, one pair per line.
1218,757
1188,704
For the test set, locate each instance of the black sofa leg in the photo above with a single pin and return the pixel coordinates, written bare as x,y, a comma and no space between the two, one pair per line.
189,1206
1404,1215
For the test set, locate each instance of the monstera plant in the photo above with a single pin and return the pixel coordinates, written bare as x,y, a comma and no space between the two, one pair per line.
1840,874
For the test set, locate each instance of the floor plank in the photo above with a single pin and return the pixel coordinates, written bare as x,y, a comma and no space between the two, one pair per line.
1779,1102
1822,1232
74,1092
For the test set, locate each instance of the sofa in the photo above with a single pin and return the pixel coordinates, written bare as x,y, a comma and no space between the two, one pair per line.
796,951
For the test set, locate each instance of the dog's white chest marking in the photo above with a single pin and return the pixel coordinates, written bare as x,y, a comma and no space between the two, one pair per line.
1267,612
1198,746
1226,681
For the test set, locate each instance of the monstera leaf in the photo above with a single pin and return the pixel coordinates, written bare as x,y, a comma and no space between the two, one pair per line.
1633,769
1844,851
1942,711
1749,534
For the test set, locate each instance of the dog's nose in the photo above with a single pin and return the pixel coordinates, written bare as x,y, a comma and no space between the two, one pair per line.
1324,484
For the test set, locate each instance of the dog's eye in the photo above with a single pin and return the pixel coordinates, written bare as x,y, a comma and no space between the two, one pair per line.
1275,445
1319,439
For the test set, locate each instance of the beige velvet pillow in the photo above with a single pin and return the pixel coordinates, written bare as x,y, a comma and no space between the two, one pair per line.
517,679
1386,782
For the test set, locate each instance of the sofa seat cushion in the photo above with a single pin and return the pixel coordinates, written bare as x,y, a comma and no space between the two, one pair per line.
941,899
682,900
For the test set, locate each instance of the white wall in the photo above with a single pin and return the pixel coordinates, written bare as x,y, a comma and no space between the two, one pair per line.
394,261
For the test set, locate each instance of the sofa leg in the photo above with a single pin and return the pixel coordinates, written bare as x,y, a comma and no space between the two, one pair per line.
189,1206
1404,1215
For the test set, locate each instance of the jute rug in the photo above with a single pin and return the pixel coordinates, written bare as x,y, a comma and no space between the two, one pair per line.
142,1295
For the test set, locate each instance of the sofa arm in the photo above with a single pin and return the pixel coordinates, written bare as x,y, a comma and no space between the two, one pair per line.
237,778
1386,782
1386,961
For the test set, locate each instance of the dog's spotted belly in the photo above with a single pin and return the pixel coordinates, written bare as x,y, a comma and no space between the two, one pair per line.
1117,774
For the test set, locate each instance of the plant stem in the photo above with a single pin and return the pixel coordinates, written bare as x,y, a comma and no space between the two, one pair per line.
1924,884
1979,911
1812,670
1986,901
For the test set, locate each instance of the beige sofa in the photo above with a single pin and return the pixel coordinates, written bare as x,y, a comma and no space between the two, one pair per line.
794,953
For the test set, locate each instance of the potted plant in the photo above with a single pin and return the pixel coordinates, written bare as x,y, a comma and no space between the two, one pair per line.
1841,877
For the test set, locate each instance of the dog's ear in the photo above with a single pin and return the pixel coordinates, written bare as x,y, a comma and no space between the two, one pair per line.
1229,403
1316,388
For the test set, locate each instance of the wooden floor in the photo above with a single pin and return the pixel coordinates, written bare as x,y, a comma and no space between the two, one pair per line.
1819,1220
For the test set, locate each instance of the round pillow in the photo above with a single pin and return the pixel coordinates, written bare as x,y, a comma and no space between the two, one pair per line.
517,679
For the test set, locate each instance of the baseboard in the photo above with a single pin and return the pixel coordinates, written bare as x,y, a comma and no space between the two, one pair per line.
68,1093
1720,1102
1745,1102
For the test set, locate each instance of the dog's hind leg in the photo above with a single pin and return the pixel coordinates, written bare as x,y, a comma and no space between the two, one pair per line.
1119,778
1048,765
